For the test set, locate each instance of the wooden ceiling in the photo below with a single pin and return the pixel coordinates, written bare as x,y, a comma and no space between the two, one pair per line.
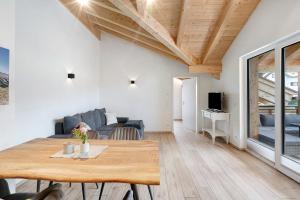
195,32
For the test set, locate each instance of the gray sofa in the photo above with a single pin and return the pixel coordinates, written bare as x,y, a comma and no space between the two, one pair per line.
267,132
96,119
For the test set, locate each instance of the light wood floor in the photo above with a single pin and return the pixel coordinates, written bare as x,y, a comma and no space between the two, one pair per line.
193,169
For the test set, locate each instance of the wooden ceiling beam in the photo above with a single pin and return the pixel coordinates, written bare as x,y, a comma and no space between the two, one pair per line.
105,4
209,69
153,27
140,43
121,23
133,36
79,12
141,7
228,18
118,19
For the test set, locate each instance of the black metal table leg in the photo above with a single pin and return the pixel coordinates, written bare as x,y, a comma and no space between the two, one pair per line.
135,192
83,190
101,190
50,183
150,192
38,186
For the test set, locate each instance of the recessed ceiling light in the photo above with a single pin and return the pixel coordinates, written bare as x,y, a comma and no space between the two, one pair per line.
149,2
83,2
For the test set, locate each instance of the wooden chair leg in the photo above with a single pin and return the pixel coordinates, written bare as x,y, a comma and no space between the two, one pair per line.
38,186
70,184
83,190
97,185
150,192
101,190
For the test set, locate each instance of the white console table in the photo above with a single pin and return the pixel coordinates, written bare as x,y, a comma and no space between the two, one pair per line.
214,117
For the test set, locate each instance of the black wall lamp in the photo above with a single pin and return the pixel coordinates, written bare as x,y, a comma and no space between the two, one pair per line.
132,82
71,76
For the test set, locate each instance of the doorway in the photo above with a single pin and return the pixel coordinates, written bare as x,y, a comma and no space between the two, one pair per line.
185,103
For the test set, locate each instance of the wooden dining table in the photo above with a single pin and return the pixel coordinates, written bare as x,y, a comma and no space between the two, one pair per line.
133,162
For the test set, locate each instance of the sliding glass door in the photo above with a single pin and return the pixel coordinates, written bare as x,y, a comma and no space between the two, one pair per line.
291,105
270,107
261,98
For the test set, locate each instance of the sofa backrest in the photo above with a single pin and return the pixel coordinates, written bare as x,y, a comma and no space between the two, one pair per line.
291,118
95,119
267,120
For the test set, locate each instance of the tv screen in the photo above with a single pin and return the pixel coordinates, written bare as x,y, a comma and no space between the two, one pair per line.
215,100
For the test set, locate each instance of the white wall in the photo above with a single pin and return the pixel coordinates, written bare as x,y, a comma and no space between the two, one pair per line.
48,42
151,99
7,112
177,98
189,103
271,20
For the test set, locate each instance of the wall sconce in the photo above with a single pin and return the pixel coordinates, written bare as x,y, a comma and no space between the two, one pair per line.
71,76
132,82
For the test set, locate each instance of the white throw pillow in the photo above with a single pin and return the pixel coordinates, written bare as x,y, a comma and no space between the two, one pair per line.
111,118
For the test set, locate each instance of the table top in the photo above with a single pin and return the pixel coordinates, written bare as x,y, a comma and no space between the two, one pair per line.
135,162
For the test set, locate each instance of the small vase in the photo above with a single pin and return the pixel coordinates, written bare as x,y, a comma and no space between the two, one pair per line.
84,148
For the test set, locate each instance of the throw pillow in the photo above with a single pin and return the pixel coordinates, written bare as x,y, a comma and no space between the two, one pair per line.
111,118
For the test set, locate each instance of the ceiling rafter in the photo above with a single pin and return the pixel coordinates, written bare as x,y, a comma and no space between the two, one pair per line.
227,16
210,69
153,27
141,7
105,4
133,35
139,42
118,20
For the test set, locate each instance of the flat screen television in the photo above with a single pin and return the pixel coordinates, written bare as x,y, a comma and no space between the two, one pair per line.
215,100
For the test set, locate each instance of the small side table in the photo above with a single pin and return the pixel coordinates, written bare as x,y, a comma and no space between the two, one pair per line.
214,117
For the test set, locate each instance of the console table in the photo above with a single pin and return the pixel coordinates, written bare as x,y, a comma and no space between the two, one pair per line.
214,117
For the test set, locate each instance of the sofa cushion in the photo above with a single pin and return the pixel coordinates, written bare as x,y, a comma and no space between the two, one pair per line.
292,118
135,123
89,118
267,120
70,122
101,113
97,120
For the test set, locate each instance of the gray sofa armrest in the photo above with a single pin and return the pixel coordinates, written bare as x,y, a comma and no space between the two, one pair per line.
122,120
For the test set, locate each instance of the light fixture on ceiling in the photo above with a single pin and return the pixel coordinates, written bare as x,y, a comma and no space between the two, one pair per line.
83,2
149,2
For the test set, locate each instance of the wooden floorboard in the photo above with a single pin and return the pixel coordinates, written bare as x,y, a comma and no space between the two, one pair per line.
194,169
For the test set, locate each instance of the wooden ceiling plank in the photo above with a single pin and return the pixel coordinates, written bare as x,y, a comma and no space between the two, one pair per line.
140,43
225,18
154,28
79,12
183,22
210,69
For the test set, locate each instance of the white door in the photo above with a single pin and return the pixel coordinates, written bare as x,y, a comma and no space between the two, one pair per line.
189,103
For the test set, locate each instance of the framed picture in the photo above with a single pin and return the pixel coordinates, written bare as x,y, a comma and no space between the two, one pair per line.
4,76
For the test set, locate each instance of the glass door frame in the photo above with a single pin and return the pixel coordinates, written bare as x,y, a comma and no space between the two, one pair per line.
273,157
